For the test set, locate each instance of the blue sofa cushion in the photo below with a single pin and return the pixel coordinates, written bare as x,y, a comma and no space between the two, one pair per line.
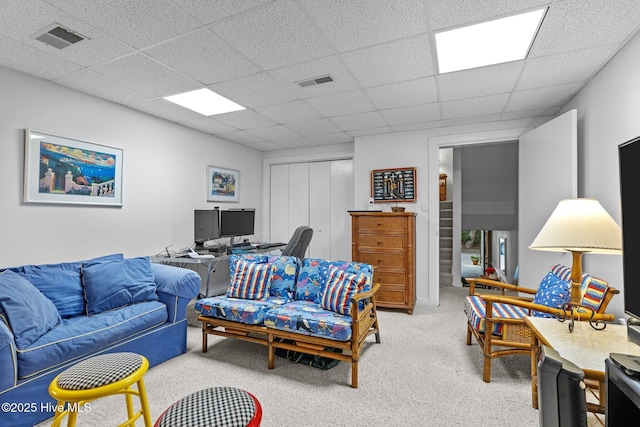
250,312
314,273
251,281
306,317
80,336
341,287
61,283
114,284
28,313
284,277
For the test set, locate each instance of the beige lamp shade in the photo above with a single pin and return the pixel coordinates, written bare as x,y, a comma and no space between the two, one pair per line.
579,225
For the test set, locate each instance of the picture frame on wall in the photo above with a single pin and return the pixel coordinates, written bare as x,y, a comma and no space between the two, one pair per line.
393,185
64,170
222,184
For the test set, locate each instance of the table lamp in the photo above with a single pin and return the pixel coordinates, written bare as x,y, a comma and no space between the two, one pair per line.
579,226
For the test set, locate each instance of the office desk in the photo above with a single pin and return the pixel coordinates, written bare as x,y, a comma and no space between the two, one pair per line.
586,347
219,264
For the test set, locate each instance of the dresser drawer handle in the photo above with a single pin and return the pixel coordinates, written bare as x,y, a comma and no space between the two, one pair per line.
379,224
379,243
379,261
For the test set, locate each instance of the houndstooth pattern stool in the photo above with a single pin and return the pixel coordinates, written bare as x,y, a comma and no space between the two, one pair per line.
101,376
216,406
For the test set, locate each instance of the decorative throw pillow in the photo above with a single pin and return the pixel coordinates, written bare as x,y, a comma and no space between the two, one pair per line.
594,292
25,309
113,284
61,283
552,292
251,280
341,287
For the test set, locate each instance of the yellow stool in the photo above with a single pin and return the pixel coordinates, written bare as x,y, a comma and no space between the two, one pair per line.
97,377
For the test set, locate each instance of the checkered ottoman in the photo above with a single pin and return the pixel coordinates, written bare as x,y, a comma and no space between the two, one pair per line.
216,406
101,376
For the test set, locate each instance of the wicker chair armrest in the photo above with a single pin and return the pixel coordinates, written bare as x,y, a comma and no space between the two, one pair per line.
368,294
490,299
496,284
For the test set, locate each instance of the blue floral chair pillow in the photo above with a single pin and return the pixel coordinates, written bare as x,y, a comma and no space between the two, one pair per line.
552,292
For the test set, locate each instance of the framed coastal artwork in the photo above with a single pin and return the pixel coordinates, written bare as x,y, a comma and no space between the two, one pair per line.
222,184
60,169
393,185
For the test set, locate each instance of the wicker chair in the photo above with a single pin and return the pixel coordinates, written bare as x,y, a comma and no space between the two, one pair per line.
504,315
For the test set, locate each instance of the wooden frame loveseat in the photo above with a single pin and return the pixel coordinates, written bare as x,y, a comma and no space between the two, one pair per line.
294,316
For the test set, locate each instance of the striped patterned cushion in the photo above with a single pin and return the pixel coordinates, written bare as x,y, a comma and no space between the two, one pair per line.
592,288
250,281
476,312
593,291
341,287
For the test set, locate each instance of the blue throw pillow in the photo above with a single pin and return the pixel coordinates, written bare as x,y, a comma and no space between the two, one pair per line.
61,283
113,284
27,312
552,292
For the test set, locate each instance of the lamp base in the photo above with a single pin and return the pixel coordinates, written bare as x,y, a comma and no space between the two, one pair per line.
573,310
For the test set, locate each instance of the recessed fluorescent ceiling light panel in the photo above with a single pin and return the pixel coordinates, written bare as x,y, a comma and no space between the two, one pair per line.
205,102
488,43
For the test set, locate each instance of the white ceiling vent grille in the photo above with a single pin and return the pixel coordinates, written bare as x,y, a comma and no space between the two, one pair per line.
315,81
59,37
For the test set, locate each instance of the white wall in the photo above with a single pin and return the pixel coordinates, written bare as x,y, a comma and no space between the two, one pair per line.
608,114
163,179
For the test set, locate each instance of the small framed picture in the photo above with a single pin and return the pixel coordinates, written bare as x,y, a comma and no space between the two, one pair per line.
59,169
222,184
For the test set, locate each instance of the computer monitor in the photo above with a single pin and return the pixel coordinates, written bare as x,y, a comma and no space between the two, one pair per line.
206,225
237,222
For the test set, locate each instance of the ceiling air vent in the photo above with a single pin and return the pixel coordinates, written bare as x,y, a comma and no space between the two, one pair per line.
59,37
315,81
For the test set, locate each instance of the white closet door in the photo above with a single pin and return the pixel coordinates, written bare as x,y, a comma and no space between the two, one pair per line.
298,196
341,202
320,210
279,206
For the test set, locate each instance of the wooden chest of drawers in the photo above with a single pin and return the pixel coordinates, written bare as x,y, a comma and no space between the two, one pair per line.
386,240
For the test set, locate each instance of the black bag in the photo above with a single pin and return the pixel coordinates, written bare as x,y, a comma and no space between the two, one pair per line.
319,362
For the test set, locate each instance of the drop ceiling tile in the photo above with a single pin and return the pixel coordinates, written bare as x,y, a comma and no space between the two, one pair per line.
404,94
244,119
203,56
342,104
264,146
137,23
332,138
453,13
314,127
208,125
299,142
570,67
369,120
208,12
479,106
273,132
90,82
165,109
145,74
329,65
411,115
580,24
482,81
27,59
525,114
367,132
275,35
417,126
533,99
359,23
23,20
405,59
471,120
240,136
289,112
256,90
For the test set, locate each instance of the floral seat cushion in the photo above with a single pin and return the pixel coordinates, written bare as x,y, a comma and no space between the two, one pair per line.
306,317
247,311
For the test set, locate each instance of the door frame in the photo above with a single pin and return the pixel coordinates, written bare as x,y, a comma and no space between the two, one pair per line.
432,296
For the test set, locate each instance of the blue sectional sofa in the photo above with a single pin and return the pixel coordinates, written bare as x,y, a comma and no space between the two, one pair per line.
313,306
55,315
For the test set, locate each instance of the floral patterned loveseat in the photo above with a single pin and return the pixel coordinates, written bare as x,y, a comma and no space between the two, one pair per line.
312,306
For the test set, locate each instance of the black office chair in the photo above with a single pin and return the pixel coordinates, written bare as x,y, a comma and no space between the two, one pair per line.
299,242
